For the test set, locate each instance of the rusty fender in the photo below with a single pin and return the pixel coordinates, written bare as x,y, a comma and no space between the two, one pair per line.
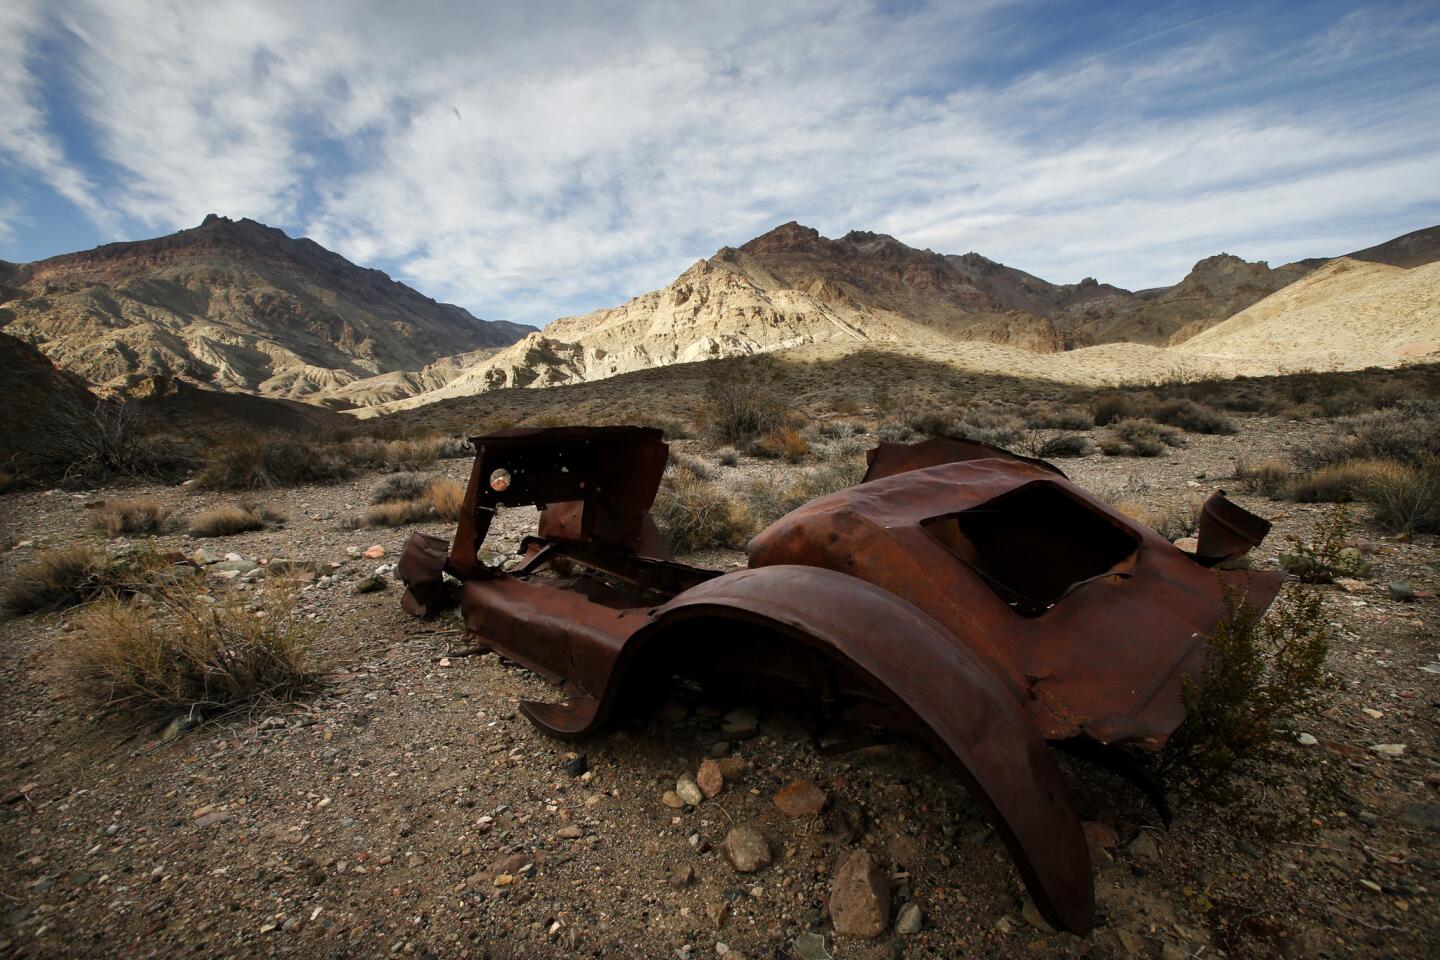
960,706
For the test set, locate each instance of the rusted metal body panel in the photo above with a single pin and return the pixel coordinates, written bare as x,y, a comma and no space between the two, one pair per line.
975,598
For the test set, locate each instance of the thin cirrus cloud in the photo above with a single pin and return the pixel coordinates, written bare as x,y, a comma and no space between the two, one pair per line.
533,160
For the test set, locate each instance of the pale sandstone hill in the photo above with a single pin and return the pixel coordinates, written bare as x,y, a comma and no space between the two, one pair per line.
792,288
234,305
1346,315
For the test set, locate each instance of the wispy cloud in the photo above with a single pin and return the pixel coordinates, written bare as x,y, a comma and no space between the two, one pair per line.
530,160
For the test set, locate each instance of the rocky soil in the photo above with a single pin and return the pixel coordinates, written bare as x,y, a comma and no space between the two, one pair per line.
407,808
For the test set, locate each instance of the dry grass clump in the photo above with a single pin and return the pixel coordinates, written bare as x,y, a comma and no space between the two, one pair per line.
769,502
235,518
118,518
401,486
1063,445
1114,407
728,456
1043,416
1407,500
694,513
250,461
1341,482
1406,433
783,443
439,499
1140,438
67,576
1268,477
186,651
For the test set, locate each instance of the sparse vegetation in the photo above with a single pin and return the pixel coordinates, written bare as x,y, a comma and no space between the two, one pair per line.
1140,438
1114,407
742,402
1268,477
113,439
1407,499
727,456
251,461
783,443
438,499
235,518
186,651
401,486
1192,417
118,518
1040,416
1341,482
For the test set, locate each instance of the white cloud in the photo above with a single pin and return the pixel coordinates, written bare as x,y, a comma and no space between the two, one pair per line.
526,159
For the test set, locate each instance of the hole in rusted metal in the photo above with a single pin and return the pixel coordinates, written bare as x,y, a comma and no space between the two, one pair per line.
500,480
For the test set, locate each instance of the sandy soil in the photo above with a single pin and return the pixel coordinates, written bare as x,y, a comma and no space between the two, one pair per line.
373,818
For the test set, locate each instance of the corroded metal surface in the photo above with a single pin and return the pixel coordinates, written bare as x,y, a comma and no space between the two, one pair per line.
975,598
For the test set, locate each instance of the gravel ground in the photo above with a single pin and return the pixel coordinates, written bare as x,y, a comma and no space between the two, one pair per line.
407,808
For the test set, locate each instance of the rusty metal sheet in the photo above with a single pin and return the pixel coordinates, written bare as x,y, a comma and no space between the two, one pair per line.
955,566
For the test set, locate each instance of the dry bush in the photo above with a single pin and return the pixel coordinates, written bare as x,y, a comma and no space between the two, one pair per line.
76,574
728,456
1407,433
1268,477
1343,404
397,514
115,439
1064,445
698,514
1261,678
446,497
453,447
401,486
185,651
1040,416
694,465
250,461
117,518
1406,500
743,401
893,432
992,425
235,518
784,443
1114,407
1140,438
1191,416
769,502
408,454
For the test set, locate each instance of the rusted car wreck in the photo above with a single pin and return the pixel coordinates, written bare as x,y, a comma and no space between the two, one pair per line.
972,597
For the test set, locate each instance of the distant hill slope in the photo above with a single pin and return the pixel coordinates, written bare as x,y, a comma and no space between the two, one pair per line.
235,305
792,287
1348,314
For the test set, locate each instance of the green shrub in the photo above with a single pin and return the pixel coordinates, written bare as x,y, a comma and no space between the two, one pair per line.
1326,557
1262,676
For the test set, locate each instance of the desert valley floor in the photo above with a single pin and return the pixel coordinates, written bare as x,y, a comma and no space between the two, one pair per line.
408,809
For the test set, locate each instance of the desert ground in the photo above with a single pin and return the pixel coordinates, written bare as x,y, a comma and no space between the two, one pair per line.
404,807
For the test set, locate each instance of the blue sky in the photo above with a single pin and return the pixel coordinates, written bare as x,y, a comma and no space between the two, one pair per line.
534,160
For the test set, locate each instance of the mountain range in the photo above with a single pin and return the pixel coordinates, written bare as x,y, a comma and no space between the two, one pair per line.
241,307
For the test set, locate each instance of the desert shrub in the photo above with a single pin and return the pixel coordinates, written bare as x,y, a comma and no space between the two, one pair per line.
1140,438
769,502
1406,500
697,514
446,497
1389,394
932,423
1179,519
1340,482
1243,402
115,439
453,447
728,456
743,401
235,518
187,652
68,576
894,432
401,486
1406,433
1262,676
784,443
117,518
1326,557
1114,407
1268,477
1344,403
992,425
250,461
408,454
1047,417
1192,416
1065,445
699,468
